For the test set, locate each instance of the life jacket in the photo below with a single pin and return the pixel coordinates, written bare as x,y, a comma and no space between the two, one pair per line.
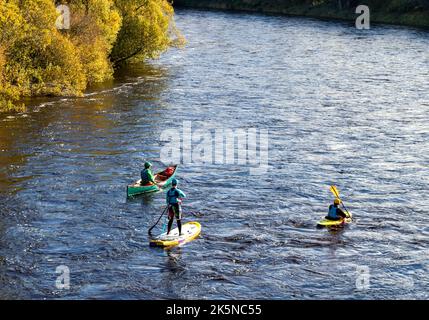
145,176
333,212
172,195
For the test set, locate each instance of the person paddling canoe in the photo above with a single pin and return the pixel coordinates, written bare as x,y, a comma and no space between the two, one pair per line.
147,175
174,202
334,212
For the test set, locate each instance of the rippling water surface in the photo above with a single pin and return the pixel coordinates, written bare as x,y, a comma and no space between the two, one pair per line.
341,106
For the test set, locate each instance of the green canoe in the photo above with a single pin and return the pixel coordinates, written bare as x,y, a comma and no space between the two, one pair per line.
162,179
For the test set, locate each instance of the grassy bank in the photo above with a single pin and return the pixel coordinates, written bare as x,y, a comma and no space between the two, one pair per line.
400,12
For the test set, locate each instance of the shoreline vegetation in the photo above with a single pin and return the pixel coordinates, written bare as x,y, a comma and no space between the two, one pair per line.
414,13
38,59
42,55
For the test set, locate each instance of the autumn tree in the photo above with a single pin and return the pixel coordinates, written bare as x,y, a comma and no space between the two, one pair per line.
38,59
147,30
94,28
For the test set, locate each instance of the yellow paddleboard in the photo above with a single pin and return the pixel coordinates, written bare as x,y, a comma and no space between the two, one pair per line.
190,231
335,223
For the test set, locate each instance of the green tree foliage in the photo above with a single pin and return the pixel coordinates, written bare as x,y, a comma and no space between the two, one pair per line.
147,30
94,28
12,30
38,59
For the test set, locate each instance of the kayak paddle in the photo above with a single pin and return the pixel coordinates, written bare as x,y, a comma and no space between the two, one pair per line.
336,193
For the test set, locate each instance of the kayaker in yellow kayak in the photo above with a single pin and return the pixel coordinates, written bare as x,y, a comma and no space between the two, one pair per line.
174,203
334,212
147,175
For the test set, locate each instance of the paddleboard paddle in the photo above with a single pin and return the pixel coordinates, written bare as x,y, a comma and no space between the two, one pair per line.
150,230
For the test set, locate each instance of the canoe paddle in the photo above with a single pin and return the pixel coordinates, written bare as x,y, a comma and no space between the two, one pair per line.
149,232
336,193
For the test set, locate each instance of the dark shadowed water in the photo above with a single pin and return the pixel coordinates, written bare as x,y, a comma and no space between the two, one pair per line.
341,106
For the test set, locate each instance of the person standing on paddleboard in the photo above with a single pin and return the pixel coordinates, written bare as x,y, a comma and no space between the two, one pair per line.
334,212
147,175
174,203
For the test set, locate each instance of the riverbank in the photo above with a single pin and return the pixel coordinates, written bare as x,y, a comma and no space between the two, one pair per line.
339,108
399,12
44,55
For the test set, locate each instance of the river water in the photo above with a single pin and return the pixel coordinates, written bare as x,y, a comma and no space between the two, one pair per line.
341,106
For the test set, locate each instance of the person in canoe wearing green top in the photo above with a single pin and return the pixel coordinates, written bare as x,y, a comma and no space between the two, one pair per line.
147,175
174,202
334,212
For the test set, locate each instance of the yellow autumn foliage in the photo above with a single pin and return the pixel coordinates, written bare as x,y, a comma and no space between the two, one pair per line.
37,59
148,28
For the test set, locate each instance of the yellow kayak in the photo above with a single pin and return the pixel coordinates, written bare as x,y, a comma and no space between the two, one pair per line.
335,223
190,231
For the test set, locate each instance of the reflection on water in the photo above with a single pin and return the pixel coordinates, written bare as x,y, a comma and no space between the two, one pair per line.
86,117
175,269
341,106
